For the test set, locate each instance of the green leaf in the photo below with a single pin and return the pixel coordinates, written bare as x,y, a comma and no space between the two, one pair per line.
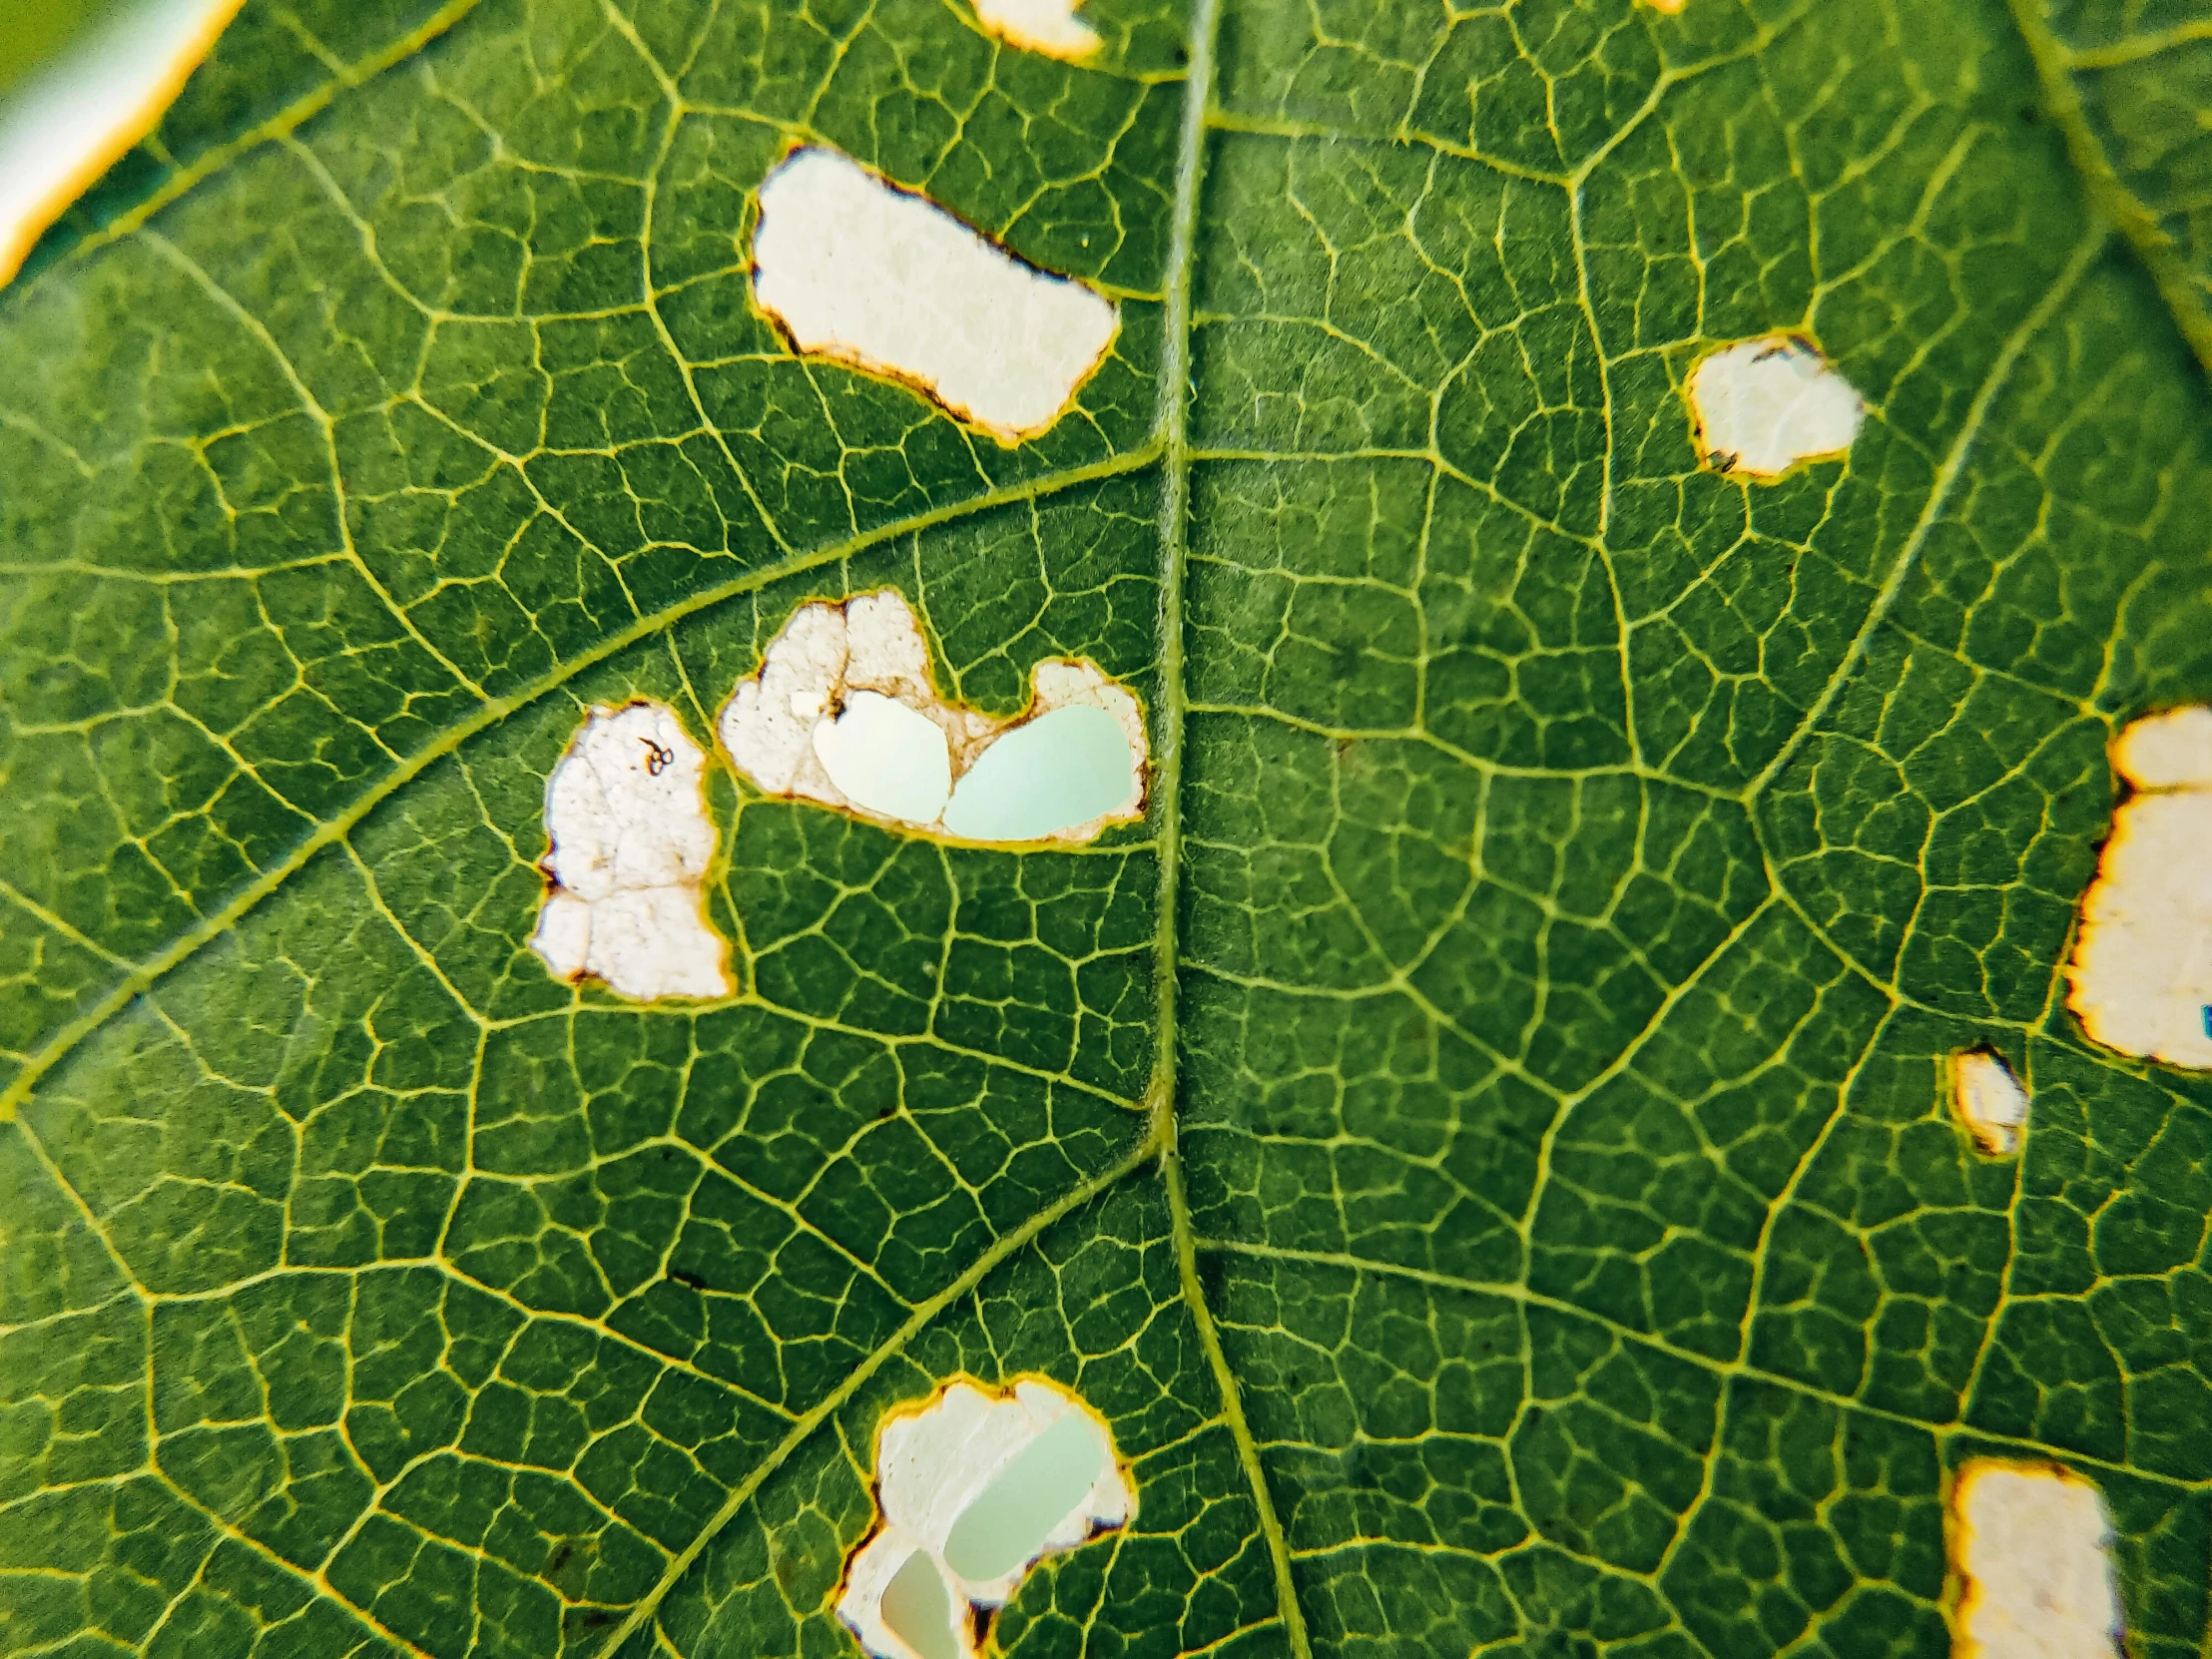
2127,86
1482,1142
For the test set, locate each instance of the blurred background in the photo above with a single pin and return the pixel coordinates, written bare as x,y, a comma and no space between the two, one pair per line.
81,81
34,32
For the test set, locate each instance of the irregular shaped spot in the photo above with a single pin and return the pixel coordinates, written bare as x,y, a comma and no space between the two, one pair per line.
1761,407
2033,1548
2140,979
631,842
1047,26
845,711
972,1486
76,114
855,269
1988,1100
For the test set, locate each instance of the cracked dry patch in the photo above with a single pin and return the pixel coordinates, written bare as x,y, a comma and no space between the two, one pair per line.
2140,978
75,116
631,841
2032,1543
1763,406
972,1486
845,712
1989,1101
855,268
1047,26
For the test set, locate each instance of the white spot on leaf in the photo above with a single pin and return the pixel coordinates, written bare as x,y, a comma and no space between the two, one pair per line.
2140,979
845,712
857,270
2033,1547
1047,26
971,1489
1989,1101
632,842
71,120
1763,406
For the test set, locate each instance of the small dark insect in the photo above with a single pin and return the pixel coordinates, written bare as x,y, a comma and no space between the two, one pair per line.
691,1278
657,758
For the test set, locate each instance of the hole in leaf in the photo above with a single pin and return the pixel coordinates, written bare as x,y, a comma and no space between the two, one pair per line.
845,712
1007,1526
630,845
2032,1546
1988,1100
2140,979
917,1609
887,759
972,1486
1047,26
86,100
1067,766
855,268
1761,407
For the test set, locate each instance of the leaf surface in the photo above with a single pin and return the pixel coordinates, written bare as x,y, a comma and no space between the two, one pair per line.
1482,1142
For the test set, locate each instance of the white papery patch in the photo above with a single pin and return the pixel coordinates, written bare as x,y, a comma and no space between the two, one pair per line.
632,840
972,1488
1047,26
1989,1100
2034,1546
76,115
1762,407
857,270
845,712
2140,979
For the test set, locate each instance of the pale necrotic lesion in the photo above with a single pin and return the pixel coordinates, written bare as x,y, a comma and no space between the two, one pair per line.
855,268
1763,406
2140,979
1989,1101
845,712
2033,1548
1047,26
972,1486
631,843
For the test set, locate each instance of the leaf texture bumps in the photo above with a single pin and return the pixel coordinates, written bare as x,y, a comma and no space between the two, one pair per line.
1483,1142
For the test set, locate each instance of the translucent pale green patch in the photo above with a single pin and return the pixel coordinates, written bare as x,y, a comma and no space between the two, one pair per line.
1009,1522
918,1609
1061,770
886,757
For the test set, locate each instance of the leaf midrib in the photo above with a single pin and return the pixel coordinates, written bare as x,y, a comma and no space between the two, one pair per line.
1167,738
